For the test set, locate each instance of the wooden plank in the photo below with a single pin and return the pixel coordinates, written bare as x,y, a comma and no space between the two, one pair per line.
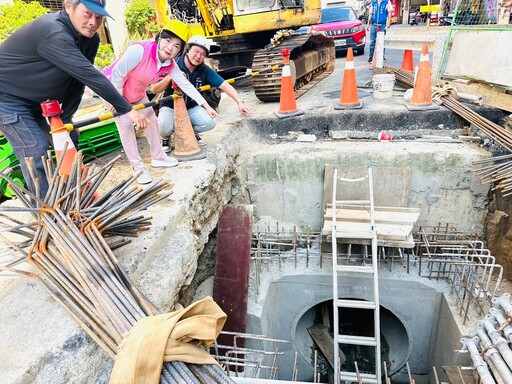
376,208
393,224
358,227
325,343
377,220
384,231
379,217
408,243
394,221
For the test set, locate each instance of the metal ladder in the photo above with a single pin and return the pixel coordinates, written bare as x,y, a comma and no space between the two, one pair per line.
360,270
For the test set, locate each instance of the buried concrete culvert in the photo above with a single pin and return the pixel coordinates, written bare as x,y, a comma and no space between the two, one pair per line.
396,342
295,303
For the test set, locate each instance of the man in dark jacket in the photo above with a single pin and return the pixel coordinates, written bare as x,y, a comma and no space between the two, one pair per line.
52,58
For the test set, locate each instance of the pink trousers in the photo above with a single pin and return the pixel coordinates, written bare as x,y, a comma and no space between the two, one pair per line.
129,139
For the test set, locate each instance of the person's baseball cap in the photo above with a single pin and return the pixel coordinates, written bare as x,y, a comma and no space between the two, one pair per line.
96,6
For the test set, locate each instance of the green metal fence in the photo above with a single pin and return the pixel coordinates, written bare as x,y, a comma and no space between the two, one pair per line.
475,15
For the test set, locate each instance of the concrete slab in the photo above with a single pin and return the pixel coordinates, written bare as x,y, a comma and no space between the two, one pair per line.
488,63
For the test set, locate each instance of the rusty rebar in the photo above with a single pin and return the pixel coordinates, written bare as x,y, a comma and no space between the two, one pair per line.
66,246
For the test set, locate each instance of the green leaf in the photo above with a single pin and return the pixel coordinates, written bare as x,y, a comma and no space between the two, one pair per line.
13,16
104,57
140,19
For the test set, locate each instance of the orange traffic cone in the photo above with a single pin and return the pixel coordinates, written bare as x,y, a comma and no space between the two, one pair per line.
65,150
287,104
422,93
349,98
407,61
184,142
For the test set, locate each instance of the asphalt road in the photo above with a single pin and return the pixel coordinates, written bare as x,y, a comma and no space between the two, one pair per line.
393,59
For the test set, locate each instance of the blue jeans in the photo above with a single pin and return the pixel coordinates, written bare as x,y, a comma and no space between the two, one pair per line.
29,136
373,37
200,119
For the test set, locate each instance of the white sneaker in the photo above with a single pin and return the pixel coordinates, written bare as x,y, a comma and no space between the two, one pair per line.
166,146
200,141
167,161
144,177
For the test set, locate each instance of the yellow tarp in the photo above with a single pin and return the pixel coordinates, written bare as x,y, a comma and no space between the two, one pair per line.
175,336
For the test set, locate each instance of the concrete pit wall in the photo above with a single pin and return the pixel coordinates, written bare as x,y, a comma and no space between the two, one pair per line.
286,181
417,325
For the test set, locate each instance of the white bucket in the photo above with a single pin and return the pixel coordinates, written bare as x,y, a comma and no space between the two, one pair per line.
383,85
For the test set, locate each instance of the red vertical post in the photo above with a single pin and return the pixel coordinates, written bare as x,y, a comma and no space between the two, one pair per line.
231,284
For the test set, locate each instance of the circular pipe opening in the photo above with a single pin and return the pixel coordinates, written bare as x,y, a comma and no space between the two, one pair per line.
395,339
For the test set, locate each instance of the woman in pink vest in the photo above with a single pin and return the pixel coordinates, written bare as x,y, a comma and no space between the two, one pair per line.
142,64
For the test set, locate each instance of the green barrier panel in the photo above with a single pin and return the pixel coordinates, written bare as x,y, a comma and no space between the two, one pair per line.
9,162
99,139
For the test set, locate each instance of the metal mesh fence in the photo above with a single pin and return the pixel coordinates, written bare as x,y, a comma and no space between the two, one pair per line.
479,12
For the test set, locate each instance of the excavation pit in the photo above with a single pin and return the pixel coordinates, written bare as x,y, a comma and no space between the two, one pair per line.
260,163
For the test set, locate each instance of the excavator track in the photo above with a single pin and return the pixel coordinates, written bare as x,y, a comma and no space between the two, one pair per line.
311,60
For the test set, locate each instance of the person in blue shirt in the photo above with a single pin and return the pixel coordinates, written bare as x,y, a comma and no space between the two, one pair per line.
199,74
379,18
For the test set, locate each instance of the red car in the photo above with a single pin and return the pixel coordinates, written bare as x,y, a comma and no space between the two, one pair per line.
342,24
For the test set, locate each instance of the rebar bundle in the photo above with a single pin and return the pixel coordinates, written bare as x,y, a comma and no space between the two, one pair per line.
470,269
66,245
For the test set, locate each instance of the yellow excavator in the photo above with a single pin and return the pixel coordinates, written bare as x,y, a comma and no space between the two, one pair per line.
252,34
